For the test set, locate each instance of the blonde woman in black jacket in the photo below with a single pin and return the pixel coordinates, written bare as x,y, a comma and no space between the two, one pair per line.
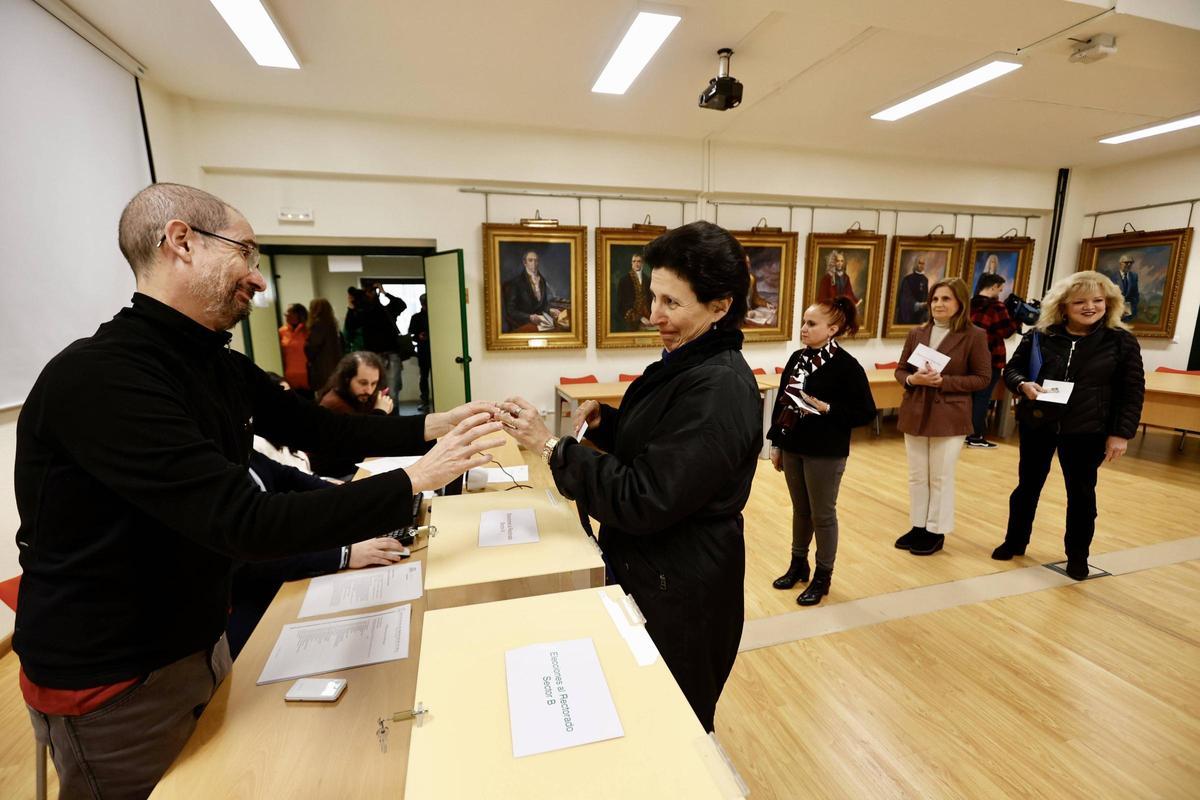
1079,339
823,393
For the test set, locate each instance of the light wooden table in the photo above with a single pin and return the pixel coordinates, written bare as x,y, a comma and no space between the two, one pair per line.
463,748
249,743
1172,401
460,572
572,394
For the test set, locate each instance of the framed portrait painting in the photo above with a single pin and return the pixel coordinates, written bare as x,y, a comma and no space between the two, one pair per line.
534,286
1010,258
772,283
623,287
1148,267
846,264
918,262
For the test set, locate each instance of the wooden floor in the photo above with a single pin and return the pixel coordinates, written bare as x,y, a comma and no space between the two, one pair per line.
1088,690
1143,498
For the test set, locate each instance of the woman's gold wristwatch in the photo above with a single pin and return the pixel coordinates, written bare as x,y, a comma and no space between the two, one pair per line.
548,448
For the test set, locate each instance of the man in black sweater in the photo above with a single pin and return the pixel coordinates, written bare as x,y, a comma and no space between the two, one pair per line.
135,501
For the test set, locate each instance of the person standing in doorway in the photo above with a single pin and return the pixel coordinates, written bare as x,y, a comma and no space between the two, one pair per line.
293,335
418,329
324,347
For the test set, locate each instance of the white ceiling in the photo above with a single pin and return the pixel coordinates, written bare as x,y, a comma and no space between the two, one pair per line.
814,70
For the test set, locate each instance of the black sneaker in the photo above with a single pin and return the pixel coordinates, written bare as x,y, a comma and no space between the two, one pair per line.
980,442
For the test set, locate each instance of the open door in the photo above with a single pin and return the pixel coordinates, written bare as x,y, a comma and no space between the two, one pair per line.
446,298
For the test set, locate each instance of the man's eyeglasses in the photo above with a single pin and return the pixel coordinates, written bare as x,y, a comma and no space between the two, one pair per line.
248,251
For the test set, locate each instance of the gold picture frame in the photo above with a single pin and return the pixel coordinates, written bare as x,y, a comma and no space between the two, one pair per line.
934,258
1010,256
861,256
772,293
623,289
549,311
1158,264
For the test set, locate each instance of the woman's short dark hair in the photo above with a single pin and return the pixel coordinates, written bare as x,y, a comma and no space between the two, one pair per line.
710,260
989,279
300,311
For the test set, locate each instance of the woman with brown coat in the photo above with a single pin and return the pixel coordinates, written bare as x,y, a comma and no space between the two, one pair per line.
324,345
935,413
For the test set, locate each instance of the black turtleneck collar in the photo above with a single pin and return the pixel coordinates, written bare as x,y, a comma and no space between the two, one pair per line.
163,315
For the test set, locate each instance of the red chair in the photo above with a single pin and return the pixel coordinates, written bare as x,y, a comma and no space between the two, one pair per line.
779,370
886,364
625,377
8,591
759,371
8,594
584,379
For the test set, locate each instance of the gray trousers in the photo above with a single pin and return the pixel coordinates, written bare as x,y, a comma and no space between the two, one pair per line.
814,483
121,749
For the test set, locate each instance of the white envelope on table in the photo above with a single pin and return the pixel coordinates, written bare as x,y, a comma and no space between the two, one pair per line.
924,354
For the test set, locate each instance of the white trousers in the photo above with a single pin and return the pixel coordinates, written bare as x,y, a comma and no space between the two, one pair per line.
931,463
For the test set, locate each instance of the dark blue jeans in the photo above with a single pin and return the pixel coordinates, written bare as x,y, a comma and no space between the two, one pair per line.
980,401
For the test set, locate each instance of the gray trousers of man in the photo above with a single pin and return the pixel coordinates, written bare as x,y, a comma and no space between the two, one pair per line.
123,748
813,483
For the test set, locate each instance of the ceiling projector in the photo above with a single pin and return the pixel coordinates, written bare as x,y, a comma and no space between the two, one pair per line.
1099,46
723,92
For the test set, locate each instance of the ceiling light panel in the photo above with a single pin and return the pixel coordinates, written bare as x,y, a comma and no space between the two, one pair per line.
947,89
641,42
253,26
1154,130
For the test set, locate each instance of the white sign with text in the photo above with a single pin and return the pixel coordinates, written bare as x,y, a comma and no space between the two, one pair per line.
558,697
508,526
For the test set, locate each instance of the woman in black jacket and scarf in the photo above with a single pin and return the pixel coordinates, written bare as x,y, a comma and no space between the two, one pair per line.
681,453
1081,340
823,393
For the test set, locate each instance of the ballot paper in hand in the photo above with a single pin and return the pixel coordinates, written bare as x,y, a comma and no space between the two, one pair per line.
924,354
794,391
507,526
377,466
347,591
558,697
1056,392
327,645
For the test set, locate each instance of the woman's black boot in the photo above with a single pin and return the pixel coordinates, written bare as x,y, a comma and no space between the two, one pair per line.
817,589
797,572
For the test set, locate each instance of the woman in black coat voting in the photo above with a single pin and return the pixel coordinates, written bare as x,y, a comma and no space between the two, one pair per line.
823,394
679,457
1079,348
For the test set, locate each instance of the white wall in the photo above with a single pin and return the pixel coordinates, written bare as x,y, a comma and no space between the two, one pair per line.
376,177
1166,179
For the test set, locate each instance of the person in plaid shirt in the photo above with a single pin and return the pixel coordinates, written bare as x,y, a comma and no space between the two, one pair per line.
989,313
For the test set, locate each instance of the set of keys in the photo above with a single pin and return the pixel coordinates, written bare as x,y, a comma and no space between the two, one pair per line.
381,732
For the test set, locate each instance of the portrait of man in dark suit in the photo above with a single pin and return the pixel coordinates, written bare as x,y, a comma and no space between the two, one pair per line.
632,309
1127,280
530,301
912,304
